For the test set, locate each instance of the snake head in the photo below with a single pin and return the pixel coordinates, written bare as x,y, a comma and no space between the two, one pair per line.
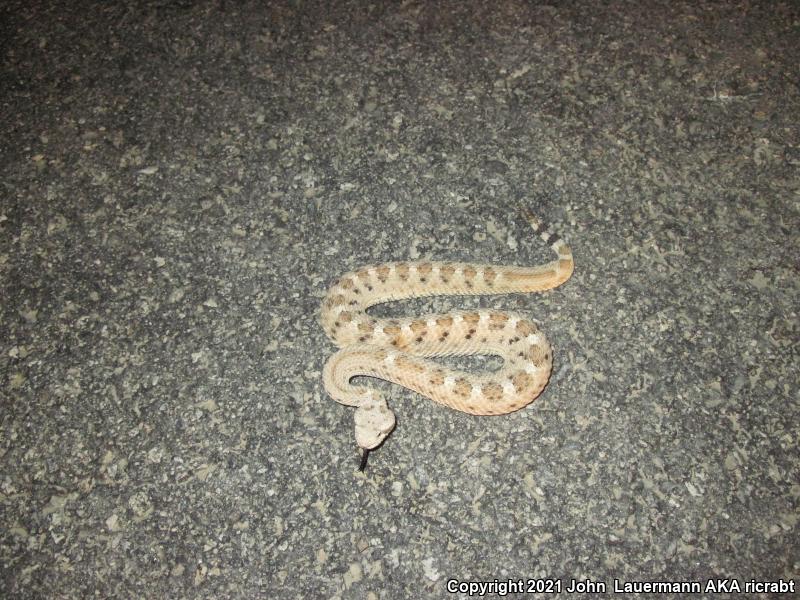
374,422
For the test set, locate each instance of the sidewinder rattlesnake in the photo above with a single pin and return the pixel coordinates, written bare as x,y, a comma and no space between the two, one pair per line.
399,350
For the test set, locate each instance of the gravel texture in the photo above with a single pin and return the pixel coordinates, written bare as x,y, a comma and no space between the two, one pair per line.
181,181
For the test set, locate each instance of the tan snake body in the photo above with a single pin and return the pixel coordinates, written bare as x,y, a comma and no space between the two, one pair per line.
399,350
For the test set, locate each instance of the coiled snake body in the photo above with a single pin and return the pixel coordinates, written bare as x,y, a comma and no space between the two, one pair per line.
399,350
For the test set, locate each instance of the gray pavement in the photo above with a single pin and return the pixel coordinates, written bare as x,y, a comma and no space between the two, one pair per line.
181,181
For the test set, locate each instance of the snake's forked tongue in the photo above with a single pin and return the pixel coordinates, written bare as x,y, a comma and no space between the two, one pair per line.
364,456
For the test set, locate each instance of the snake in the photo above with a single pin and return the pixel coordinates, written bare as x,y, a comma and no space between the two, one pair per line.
401,350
